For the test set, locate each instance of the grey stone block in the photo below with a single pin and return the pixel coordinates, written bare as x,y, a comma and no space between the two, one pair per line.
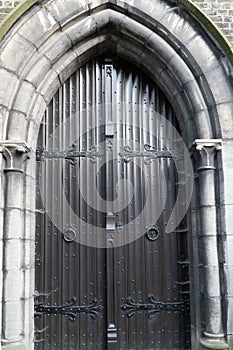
65,10
216,78
228,271
3,118
24,97
49,86
28,307
200,50
153,9
228,193
29,198
29,231
16,53
228,209
177,66
9,82
66,66
208,220
30,170
13,286
13,224
177,25
12,254
1,226
195,95
17,346
40,26
33,129
16,126
56,46
27,246
211,274
225,112
14,190
2,187
202,124
78,31
37,69
127,26
37,110
230,340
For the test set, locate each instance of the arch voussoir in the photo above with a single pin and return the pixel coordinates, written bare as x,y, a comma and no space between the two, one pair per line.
77,37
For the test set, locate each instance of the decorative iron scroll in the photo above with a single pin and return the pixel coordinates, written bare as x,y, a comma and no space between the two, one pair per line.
152,306
69,309
128,153
70,154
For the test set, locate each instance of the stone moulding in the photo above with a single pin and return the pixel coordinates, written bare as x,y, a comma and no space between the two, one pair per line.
187,66
188,5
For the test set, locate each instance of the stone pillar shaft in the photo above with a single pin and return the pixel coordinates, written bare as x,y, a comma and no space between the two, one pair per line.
12,317
213,334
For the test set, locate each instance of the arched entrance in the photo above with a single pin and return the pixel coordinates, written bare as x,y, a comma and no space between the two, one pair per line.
55,38
109,273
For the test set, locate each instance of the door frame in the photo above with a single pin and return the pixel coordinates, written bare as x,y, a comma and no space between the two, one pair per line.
46,57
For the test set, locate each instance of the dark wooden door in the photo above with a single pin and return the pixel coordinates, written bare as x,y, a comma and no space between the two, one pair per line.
108,274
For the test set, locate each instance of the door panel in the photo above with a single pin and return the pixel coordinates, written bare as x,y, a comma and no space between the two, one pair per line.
114,267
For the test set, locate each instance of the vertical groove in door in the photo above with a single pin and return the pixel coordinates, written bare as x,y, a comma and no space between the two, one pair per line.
65,268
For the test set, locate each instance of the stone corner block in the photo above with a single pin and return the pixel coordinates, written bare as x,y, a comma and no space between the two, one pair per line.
19,346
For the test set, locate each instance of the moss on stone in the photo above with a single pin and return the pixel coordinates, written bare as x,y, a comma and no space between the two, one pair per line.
208,24
14,15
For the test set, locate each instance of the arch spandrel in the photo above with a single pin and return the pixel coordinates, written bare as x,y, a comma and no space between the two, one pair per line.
117,25
179,56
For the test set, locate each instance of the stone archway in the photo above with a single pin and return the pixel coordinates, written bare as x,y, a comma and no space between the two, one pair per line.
54,39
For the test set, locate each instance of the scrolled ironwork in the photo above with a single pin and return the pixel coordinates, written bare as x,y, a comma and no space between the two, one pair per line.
148,154
70,154
69,309
153,306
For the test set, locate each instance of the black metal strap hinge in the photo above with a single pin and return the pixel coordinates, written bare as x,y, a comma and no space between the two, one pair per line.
69,309
153,306
70,154
148,154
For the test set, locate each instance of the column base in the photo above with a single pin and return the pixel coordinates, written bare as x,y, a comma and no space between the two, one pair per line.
213,341
13,346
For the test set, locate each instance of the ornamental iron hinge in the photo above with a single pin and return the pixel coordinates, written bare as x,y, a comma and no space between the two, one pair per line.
70,154
69,309
153,306
148,154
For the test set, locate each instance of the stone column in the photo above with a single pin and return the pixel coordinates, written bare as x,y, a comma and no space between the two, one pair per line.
12,315
213,337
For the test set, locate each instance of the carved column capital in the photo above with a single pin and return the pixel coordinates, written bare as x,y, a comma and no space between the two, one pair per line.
205,150
15,153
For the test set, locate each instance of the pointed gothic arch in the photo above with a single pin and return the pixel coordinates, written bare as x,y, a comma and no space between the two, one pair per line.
52,40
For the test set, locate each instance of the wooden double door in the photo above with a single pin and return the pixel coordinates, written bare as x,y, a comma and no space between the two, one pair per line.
108,274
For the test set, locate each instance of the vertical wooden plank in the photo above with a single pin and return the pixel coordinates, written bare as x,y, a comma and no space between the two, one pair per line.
138,269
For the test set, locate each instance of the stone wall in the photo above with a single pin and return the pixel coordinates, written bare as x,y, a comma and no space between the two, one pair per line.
197,82
7,6
220,11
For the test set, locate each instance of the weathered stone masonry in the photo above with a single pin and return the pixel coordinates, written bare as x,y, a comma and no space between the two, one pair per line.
53,40
220,12
6,6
